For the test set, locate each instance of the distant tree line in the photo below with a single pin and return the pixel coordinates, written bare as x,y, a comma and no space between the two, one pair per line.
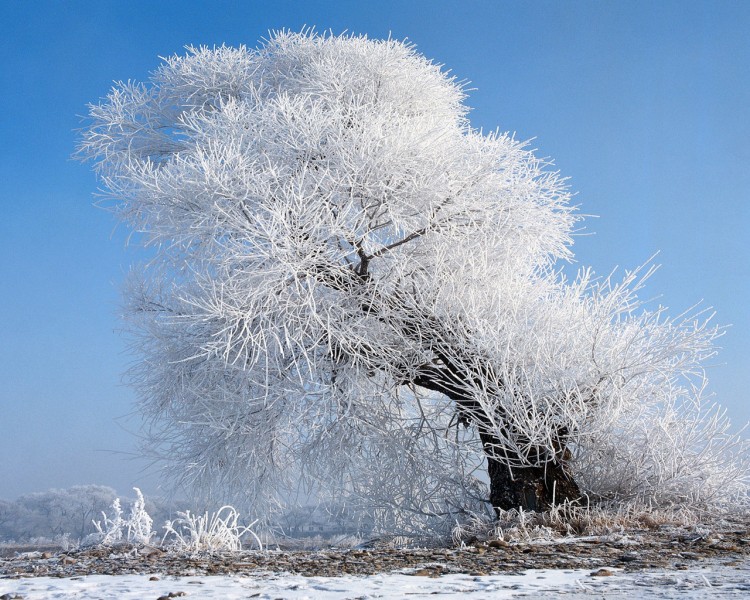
58,513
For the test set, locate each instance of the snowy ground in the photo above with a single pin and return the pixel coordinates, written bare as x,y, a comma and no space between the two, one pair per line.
710,581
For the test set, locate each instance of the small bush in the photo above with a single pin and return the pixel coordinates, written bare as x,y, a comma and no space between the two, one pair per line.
136,529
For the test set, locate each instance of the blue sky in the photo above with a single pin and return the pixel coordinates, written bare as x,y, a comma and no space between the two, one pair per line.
644,105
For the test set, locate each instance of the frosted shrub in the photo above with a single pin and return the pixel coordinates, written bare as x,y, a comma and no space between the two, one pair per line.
215,531
138,525
110,529
135,529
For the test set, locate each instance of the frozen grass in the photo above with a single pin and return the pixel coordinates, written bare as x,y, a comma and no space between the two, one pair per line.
211,531
568,520
135,529
215,531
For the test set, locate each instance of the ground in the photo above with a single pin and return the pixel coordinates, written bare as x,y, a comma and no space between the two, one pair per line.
661,562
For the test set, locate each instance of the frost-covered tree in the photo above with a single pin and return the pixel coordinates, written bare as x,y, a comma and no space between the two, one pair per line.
353,290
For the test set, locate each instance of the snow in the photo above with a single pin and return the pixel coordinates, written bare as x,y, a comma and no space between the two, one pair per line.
707,582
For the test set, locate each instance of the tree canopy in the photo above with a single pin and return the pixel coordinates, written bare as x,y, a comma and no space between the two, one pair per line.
354,292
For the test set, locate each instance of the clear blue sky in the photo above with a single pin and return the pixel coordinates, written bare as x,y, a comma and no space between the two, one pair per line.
644,105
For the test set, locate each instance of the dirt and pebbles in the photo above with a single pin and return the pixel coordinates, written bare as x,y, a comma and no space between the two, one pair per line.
627,552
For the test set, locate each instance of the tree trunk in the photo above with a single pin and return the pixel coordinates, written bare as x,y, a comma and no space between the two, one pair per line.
534,488
529,488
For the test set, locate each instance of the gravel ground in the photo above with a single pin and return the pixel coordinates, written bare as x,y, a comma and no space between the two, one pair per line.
665,549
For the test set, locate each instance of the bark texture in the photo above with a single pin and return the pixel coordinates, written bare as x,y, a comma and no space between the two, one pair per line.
529,488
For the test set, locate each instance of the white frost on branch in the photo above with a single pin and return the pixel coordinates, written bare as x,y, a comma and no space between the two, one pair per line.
331,237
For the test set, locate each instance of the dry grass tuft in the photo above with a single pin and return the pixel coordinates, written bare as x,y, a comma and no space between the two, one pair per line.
573,521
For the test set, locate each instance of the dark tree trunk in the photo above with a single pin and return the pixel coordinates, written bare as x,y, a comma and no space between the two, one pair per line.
529,488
